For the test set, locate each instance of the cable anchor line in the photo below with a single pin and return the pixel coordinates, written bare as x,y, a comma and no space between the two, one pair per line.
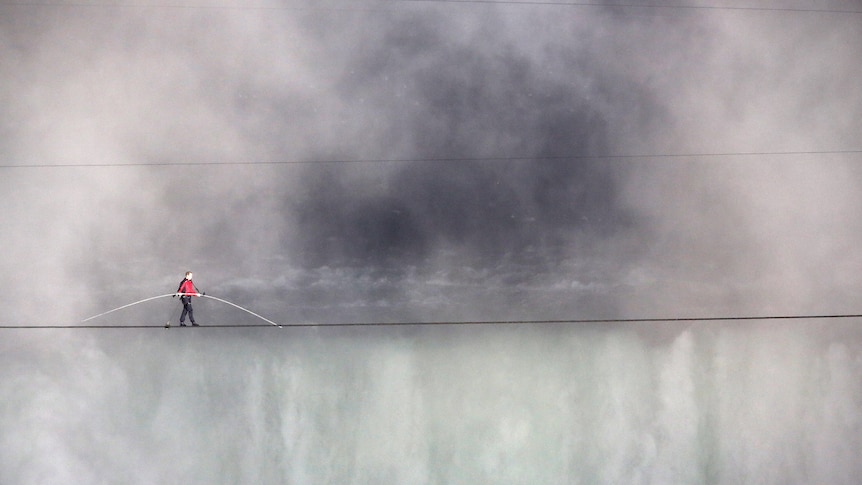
182,294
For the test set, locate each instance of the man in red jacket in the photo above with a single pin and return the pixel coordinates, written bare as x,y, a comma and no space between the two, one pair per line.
186,291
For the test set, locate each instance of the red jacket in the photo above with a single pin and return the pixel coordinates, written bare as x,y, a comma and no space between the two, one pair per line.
187,288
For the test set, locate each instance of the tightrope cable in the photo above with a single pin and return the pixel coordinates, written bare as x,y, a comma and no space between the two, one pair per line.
574,321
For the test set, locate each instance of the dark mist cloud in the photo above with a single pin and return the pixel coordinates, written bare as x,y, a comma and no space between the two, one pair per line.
438,93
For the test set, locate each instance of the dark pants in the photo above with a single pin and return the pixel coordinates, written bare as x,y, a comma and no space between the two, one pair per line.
187,308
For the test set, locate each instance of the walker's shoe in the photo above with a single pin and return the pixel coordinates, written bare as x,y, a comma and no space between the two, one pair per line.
195,324
182,324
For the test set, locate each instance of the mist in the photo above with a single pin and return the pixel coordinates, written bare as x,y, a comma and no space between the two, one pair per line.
420,162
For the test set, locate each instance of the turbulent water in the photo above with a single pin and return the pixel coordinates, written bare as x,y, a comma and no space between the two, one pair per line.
657,403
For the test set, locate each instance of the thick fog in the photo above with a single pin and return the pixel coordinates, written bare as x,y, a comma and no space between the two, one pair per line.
415,162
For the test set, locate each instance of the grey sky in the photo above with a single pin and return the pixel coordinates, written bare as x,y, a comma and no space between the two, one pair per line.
490,220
